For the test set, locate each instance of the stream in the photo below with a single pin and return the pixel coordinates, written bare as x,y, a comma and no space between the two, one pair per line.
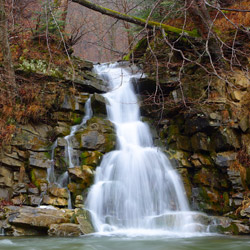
93,242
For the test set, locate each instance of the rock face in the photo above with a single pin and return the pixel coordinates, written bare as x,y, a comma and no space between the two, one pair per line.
28,221
209,143
34,165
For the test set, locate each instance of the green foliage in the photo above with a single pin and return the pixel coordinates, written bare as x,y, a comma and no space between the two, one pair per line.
162,11
49,19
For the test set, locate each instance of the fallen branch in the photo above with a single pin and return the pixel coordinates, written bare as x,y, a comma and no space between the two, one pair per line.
136,20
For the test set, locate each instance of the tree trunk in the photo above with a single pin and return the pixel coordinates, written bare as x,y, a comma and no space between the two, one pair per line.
9,73
135,20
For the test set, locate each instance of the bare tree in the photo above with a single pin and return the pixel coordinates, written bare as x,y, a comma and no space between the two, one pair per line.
9,72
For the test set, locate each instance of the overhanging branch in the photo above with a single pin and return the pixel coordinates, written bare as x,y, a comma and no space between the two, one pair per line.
135,20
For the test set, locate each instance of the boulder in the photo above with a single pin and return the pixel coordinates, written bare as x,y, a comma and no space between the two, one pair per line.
83,175
91,158
35,217
98,135
64,230
98,104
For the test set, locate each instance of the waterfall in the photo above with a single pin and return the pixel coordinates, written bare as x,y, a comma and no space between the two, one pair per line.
135,188
71,155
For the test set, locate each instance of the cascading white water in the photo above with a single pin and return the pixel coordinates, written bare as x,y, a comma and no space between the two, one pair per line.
71,155
135,186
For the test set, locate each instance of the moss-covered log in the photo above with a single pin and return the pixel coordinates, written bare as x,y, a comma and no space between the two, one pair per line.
135,20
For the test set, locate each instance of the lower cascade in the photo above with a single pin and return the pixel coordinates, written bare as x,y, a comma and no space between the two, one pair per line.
136,188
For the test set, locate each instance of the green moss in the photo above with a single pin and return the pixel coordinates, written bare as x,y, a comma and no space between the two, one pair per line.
76,118
91,158
232,229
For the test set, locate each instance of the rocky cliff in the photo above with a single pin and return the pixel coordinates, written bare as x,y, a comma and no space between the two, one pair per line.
207,141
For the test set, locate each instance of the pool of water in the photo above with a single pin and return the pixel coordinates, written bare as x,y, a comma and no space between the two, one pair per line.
97,242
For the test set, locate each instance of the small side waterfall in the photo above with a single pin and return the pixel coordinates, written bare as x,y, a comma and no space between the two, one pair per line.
136,188
71,156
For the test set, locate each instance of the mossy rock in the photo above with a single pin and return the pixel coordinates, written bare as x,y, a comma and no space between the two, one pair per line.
99,135
91,158
38,176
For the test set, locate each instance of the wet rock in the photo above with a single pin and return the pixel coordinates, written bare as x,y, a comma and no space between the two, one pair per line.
55,201
39,159
62,129
76,188
242,229
58,192
71,103
98,135
91,158
38,177
79,201
98,104
181,156
83,64
64,230
83,174
89,82
36,217
225,159
186,181
83,218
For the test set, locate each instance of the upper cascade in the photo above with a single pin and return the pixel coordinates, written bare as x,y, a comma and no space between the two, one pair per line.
136,189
